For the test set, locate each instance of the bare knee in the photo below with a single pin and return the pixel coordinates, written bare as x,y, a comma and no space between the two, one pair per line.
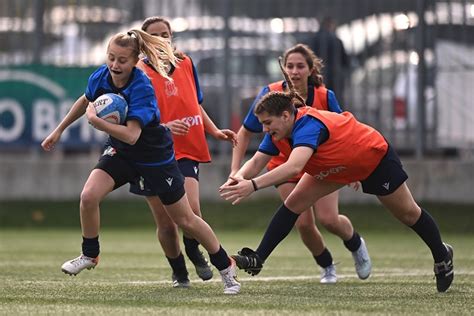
89,200
167,234
408,216
169,229
186,223
329,221
305,227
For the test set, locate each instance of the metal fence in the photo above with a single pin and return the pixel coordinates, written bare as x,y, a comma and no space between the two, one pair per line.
410,69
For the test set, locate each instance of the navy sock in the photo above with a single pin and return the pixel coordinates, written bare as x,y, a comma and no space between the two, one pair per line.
191,248
178,265
354,243
220,259
279,227
324,259
427,229
90,247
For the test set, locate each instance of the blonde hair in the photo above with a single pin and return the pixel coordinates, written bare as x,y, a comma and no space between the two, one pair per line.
158,19
276,102
313,61
158,50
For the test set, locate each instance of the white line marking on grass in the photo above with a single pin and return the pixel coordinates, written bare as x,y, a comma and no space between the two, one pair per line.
386,273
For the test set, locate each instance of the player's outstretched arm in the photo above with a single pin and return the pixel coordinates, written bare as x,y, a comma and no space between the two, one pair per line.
221,134
238,152
77,110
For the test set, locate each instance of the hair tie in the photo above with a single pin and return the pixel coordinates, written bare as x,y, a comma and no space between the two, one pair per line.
131,34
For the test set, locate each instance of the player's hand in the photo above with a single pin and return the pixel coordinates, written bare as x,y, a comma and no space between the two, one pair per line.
230,181
178,127
227,135
236,191
48,143
91,114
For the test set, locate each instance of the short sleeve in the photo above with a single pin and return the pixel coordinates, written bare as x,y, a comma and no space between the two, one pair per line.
142,105
251,122
196,83
307,131
333,104
268,147
94,83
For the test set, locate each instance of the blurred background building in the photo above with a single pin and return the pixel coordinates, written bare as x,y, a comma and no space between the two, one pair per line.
410,70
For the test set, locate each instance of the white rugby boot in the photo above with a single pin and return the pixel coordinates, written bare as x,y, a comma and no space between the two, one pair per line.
76,265
229,278
328,275
362,261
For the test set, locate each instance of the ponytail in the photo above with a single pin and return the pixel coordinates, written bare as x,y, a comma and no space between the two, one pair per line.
157,49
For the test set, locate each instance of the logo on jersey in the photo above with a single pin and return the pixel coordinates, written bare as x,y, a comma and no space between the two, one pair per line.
141,183
109,151
169,181
192,120
386,185
196,170
325,173
170,88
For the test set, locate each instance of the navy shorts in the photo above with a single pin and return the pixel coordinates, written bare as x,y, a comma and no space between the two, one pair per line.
189,168
387,176
164,181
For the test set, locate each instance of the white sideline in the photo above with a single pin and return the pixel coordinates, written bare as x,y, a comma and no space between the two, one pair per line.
384,274
375,274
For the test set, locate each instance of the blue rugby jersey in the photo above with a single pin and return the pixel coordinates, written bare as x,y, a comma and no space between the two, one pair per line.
155,145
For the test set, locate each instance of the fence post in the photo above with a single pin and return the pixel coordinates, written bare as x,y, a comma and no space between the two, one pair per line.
39,33
421,106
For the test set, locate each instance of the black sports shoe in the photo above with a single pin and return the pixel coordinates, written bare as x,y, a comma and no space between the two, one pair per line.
248,260
180,281
203,269
444,271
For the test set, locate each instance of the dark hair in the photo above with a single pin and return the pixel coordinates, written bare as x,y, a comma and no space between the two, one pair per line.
157,49
158,19
313,61
276,102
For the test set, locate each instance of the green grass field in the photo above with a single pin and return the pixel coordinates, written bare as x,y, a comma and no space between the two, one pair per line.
133,277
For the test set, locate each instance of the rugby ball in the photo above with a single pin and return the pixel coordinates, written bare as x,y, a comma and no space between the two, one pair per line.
111,107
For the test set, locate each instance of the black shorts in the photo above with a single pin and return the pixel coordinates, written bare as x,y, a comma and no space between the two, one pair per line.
164,181
189,168
387,176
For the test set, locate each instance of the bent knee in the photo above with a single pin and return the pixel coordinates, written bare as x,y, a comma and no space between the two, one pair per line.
409,216
306,228
185,222
329,222
168,230
89,199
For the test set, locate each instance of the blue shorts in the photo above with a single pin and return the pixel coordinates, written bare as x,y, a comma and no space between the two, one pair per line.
164,181
387,176
189,168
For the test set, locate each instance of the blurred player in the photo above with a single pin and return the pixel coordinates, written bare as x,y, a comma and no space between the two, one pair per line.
304,70
140,151
333,150
179,102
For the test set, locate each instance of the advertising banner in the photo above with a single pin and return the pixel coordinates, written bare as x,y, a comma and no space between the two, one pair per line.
35,98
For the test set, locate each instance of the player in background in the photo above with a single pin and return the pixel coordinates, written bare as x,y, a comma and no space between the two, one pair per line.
179,102
140,150
304,69
333,150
